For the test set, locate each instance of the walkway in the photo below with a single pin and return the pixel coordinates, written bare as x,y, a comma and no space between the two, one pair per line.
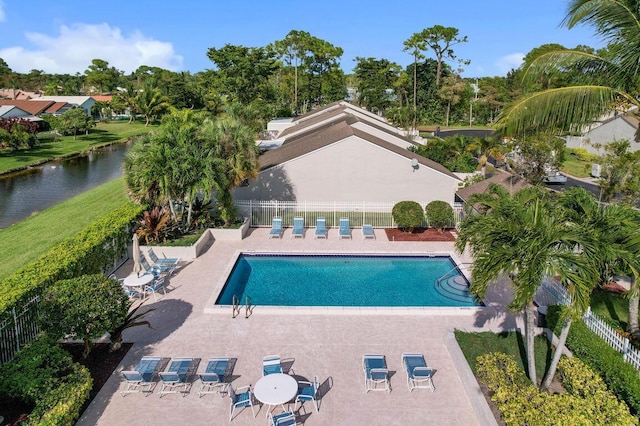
326,342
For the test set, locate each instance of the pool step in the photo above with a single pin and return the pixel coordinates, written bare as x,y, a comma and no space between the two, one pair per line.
455,288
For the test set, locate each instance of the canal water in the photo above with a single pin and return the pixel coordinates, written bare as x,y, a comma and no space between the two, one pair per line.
26,193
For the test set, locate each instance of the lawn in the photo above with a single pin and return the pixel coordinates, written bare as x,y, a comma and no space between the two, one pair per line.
574,166
611,307
29,239
102,134
475,344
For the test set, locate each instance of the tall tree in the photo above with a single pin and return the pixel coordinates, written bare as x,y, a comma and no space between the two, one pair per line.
610,77
376,79
292,49
150,102
441,39
415,45
101,75
451,91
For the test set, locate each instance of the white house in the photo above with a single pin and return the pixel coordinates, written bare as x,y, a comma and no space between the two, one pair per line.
616,128
10,111
84,102
344,153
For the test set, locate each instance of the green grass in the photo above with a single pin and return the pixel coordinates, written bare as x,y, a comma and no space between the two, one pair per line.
475,344
611,307
574,166
29,239
48,149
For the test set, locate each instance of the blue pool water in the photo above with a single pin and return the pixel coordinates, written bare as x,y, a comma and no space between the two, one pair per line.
322,280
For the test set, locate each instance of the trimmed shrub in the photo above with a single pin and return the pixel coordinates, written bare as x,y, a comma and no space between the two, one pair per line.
587,400
407,214
621,377
439,214
92,251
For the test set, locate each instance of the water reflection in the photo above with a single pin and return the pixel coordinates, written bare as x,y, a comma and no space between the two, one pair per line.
33,190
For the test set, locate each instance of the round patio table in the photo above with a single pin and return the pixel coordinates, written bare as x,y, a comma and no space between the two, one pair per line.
275,389
135,280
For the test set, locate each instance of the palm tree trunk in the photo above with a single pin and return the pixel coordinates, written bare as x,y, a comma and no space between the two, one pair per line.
529,331
557,354
634,301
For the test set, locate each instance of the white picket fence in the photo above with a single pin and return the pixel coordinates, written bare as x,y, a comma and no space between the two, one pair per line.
377,214
596,324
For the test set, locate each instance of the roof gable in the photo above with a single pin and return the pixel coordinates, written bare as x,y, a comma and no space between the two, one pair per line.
33,107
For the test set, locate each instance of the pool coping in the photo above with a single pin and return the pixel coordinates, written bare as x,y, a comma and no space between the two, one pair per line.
212,308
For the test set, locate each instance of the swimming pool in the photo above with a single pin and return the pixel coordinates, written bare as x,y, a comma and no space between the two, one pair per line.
351,280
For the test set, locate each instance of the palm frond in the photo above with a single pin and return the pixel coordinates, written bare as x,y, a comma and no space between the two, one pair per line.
564,60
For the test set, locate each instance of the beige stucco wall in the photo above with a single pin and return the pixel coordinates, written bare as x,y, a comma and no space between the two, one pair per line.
350,170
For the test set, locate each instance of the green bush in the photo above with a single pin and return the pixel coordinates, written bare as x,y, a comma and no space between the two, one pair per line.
439,214
583,155
92,251
407,214
621,377
586,402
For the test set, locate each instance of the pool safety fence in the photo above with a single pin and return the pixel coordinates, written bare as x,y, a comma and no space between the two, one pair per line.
377,214
18,326
556,294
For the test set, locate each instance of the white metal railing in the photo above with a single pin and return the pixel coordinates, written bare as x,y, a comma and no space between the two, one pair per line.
597,325
377,214
18,326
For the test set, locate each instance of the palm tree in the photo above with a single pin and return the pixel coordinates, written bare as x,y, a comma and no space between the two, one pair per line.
151,102
415,45
612,77
524,237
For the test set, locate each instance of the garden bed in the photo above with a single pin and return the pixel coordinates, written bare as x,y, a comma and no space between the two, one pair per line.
419,234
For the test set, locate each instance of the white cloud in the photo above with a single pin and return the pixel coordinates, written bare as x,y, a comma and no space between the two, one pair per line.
3,16
509,62
73,49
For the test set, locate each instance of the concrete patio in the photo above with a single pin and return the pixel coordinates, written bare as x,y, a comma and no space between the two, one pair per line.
325,342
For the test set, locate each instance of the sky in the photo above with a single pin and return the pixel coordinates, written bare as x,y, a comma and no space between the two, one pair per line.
63,37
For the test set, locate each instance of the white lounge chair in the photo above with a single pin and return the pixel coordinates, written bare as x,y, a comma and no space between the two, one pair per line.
321,228
298,227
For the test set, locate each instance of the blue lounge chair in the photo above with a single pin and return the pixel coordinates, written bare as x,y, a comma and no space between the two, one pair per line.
344,231
375,373
240,398
321,228
307,391
418,375
298,227
176,376
140,379
367,232
170,261
276,228
271,365
283,419
214,377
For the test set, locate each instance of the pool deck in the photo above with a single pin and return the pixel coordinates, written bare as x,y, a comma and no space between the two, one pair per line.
327,342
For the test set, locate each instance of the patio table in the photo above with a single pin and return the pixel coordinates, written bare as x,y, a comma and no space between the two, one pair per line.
137,282
275,389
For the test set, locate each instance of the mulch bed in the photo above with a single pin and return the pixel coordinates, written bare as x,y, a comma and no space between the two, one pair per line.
419,234
101,364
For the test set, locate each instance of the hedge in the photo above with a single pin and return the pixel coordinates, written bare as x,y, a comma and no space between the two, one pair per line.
586,402
621,377
91,251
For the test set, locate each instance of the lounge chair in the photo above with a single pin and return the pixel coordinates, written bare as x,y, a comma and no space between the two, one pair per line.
154,269
155,287
298,227
276,228
344,231
240,398
176,376
307,391
321,228
170,261
283,419
375,373
418,375
141,376
271,365
367,232
214,377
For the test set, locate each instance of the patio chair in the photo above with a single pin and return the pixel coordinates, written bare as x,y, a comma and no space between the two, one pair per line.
141,376
307,391
176,376
367,232
152,269
375,373
155,287
344,231
276,227
298,227
418,375
240,398
283,419
271,365
214,377
321,228
169,261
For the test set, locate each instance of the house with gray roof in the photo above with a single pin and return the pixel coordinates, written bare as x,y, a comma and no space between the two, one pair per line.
344,153
615,128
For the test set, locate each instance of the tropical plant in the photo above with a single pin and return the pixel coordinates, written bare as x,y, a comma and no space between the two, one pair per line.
523,237
407,214
439,214
150,102
133,319
153,225
85,307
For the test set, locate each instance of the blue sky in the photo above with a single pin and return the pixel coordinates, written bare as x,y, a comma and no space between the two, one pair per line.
64,36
